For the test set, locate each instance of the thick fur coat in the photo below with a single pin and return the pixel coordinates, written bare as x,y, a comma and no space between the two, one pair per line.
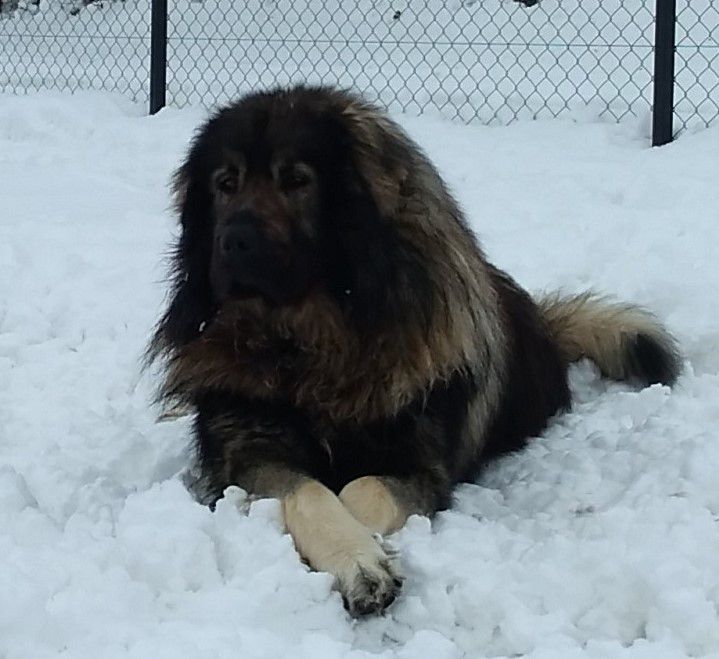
341,337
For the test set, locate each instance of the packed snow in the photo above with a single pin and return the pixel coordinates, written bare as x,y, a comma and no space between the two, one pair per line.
601,540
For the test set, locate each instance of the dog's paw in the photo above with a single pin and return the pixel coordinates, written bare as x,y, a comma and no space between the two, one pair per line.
373,582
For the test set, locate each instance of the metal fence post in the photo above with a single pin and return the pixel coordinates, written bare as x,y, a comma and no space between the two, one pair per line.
158,56
664,48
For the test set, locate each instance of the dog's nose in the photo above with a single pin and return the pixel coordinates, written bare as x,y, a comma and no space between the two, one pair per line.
240,238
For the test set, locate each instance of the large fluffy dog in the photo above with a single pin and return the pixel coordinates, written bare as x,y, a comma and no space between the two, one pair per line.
343,341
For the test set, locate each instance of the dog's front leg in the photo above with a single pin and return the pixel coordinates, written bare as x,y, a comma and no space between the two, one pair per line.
332,540
329,538
383,503
269,457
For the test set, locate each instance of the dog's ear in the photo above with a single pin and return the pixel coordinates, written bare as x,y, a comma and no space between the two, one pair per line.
379,153
179,186
191,302
388,283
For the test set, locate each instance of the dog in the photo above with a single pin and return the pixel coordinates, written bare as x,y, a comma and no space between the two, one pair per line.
341,338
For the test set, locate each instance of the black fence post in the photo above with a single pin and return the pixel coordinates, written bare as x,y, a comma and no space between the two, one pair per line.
664,49
158,56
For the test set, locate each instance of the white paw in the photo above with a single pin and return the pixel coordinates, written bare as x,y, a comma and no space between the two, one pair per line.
373,581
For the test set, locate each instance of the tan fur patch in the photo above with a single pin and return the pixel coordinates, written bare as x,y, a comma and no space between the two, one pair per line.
329,367
588,325
332,540
371,502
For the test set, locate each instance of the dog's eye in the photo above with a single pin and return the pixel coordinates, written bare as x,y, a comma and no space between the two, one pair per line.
297,177
226,182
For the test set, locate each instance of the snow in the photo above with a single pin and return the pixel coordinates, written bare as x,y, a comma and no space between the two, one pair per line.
601,540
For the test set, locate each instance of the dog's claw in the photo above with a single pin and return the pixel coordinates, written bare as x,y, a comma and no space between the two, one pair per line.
376,584
372,593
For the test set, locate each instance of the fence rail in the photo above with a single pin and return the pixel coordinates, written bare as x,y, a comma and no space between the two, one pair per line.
491,61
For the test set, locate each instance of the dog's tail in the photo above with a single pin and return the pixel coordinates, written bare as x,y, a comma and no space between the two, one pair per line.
623,340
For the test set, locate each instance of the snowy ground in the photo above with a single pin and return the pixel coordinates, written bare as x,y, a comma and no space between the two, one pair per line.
601,540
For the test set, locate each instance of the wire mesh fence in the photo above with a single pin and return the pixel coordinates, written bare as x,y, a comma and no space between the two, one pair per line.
57,45
697,64
491,61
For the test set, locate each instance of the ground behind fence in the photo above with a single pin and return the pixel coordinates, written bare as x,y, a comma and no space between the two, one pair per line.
492,62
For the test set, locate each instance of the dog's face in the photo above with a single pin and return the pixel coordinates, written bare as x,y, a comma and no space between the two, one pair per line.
292,197
266,220
264,193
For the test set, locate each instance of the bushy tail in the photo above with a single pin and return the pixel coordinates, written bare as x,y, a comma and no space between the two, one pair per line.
624,340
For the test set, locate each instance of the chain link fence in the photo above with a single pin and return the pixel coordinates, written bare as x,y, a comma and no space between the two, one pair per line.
491,61
48,44
697,63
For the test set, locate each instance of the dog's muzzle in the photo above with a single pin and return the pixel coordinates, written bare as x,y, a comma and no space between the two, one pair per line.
246,263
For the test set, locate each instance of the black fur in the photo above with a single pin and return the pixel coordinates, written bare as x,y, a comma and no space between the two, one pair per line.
536,381
333,317
423,441
381,282
361,260
650,361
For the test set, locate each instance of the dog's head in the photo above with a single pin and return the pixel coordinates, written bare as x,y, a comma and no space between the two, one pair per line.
261,185
288,194
312,223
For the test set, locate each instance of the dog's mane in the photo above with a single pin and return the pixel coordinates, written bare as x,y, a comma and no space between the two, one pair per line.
440,318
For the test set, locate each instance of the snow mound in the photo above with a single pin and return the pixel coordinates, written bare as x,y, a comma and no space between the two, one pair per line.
600,540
